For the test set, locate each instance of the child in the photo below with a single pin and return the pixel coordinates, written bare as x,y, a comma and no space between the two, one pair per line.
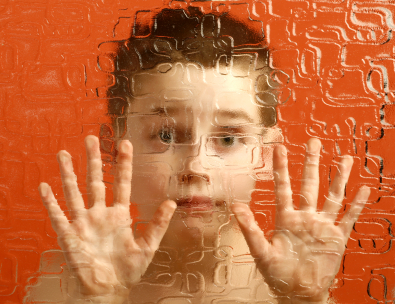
194,107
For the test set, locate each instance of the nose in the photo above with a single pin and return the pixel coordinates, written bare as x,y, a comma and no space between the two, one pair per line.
191,169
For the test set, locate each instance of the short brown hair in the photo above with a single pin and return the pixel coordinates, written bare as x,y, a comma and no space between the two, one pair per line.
215,40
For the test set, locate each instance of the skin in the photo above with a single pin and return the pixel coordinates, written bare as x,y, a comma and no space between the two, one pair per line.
98,243
305,252
298,263
186,167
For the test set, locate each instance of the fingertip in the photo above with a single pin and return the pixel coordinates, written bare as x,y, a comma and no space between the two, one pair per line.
43,189
364,193
238,208
91,137
279,156
243,215
361,198
280,150
63,156
171,204
125,147
365,189
90,141
46,194
347,160
167,208
313,145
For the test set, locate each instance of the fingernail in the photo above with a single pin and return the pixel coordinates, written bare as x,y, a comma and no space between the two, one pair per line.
365,189
89,143
347,160
313,146
124,147
63,159
238,210
173,205
43,189
241,213
243,218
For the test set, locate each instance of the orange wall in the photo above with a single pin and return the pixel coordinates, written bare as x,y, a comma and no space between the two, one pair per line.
340,59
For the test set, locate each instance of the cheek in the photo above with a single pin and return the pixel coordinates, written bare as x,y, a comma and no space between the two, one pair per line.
230,186
242,185
150,186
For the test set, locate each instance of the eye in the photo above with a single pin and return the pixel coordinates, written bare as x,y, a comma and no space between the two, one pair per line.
166,136
227,141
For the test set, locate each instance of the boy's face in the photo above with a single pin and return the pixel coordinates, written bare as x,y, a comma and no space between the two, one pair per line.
198,139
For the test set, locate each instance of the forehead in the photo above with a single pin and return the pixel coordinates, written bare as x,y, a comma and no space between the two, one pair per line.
179,86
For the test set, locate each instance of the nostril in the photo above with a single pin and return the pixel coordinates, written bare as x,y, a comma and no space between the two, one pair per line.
185,178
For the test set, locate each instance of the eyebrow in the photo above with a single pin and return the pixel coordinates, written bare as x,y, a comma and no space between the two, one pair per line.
235,114
238,114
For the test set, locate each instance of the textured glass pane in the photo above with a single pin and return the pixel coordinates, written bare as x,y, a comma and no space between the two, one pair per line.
215,97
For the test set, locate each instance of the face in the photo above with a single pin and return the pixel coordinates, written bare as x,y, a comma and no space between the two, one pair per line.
198,139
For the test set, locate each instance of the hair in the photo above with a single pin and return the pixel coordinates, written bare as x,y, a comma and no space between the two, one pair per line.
221,41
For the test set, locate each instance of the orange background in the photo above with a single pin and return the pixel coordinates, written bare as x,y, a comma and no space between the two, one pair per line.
339,56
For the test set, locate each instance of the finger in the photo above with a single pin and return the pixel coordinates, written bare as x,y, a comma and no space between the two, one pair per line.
334,201
58,219
123,175
94,179
310,178
259,246
282,184
353,213
72,194
158,225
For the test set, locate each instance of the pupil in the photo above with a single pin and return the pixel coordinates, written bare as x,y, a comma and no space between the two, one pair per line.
166,136
228,141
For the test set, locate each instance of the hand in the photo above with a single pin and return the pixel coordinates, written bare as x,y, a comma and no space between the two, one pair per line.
98,243
305,252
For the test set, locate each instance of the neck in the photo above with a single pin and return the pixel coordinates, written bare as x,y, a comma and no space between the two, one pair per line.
213,264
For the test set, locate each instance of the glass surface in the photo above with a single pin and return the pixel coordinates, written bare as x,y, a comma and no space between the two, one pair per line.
205,91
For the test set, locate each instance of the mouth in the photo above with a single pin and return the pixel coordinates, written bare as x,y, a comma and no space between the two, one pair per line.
195,203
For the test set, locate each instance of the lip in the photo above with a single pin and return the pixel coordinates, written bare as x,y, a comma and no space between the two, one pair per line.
196,203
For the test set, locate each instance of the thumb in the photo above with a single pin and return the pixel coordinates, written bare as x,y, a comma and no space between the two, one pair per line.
158,225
